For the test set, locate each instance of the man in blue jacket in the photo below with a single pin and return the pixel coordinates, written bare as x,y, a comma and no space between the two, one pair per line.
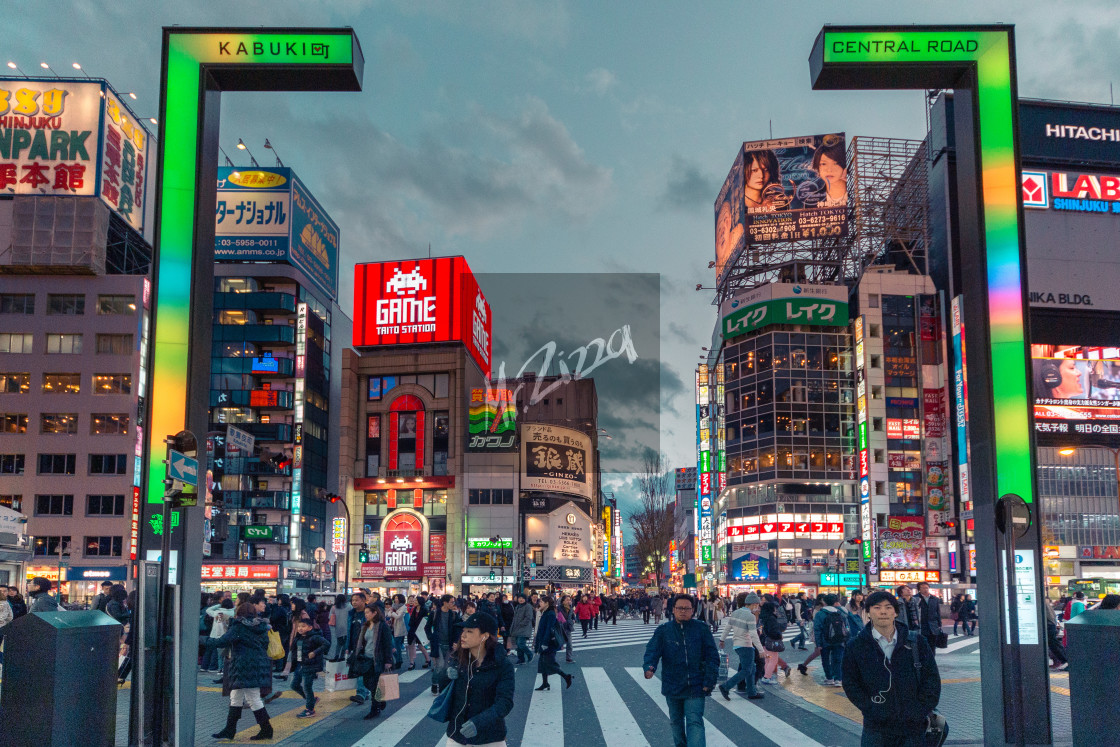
891,676
687,651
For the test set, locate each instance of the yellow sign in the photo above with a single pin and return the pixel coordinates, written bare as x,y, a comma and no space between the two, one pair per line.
257,179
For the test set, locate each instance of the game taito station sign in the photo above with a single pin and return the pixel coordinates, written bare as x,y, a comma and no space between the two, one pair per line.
784,303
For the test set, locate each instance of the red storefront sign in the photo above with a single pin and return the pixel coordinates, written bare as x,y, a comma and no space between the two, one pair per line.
437,548
421,301
240,572
402,545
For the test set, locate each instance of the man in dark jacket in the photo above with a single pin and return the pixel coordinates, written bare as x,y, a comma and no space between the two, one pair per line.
39,591
690,669
521,629
890,675
356,619
443,629
929,616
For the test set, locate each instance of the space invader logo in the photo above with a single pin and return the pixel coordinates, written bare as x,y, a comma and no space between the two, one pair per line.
406,284
1035,194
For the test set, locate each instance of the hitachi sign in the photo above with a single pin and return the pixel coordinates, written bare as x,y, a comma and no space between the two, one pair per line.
1077,132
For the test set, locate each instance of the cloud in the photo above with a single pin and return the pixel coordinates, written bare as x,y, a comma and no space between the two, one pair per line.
600,81
686,187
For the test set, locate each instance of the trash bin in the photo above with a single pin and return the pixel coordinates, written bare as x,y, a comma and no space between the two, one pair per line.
60,679
1093,651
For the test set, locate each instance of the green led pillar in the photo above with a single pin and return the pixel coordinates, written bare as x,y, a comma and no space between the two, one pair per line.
978,63
198,65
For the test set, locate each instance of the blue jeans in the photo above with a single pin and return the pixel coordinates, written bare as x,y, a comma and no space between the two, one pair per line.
303,682
398,651
800,639
832,658
686,716
210,660
524,653
745,673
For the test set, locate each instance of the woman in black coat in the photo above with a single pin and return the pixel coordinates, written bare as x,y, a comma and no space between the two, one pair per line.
482,685
250,669
549,639
375,647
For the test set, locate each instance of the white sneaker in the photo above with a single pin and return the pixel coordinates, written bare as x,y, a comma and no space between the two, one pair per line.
837,683
769,681
827,682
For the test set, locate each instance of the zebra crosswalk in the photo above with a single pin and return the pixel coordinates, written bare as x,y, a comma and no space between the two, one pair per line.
632,633
611,706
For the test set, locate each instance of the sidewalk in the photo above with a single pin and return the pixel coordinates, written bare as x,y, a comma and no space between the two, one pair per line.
212,707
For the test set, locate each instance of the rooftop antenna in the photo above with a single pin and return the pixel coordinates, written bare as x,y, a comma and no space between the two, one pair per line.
228,162
1111,100
771,129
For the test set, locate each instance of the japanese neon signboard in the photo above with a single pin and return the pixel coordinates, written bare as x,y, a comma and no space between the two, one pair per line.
414,302
213,572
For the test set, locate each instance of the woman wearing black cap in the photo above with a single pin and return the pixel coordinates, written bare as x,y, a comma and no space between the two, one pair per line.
482,686
550,637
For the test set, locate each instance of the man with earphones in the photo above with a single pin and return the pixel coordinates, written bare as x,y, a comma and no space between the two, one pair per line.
891,676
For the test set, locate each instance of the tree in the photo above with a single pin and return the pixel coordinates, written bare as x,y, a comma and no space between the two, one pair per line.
654,523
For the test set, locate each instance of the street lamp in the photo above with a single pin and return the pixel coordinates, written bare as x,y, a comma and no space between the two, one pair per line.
242,146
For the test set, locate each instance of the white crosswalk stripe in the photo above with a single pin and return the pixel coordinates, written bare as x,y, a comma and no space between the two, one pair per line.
712,736
612,720
617,724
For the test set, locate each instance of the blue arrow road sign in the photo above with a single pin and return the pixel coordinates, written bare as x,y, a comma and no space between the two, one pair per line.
182,468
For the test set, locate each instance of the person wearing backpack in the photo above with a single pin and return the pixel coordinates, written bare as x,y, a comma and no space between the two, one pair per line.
772,635
891,676
830,631
800,617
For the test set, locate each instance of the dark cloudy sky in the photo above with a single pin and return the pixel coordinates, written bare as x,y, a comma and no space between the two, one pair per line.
557,137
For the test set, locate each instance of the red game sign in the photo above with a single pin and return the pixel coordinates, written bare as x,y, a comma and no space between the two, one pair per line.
422,301
437,548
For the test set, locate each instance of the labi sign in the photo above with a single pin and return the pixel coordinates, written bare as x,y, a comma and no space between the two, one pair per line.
784,303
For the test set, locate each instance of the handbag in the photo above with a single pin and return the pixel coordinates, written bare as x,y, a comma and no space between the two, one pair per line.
941,640
937,731
275,647
774,646
360,666
388,687
722,666
440,709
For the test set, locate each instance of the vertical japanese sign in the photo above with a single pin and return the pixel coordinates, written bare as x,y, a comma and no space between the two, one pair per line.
960,411
866,520
297,427
124,156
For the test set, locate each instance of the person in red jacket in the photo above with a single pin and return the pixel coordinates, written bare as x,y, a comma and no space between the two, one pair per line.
585,611
596,602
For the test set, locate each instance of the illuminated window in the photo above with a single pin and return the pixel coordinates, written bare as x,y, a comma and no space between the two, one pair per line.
58,422
107,423
112,383
15,383
103,547
13,423
60,383
116,304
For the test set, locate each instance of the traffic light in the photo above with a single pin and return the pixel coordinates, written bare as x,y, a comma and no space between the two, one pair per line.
280,461
363,553
948,524
333,498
